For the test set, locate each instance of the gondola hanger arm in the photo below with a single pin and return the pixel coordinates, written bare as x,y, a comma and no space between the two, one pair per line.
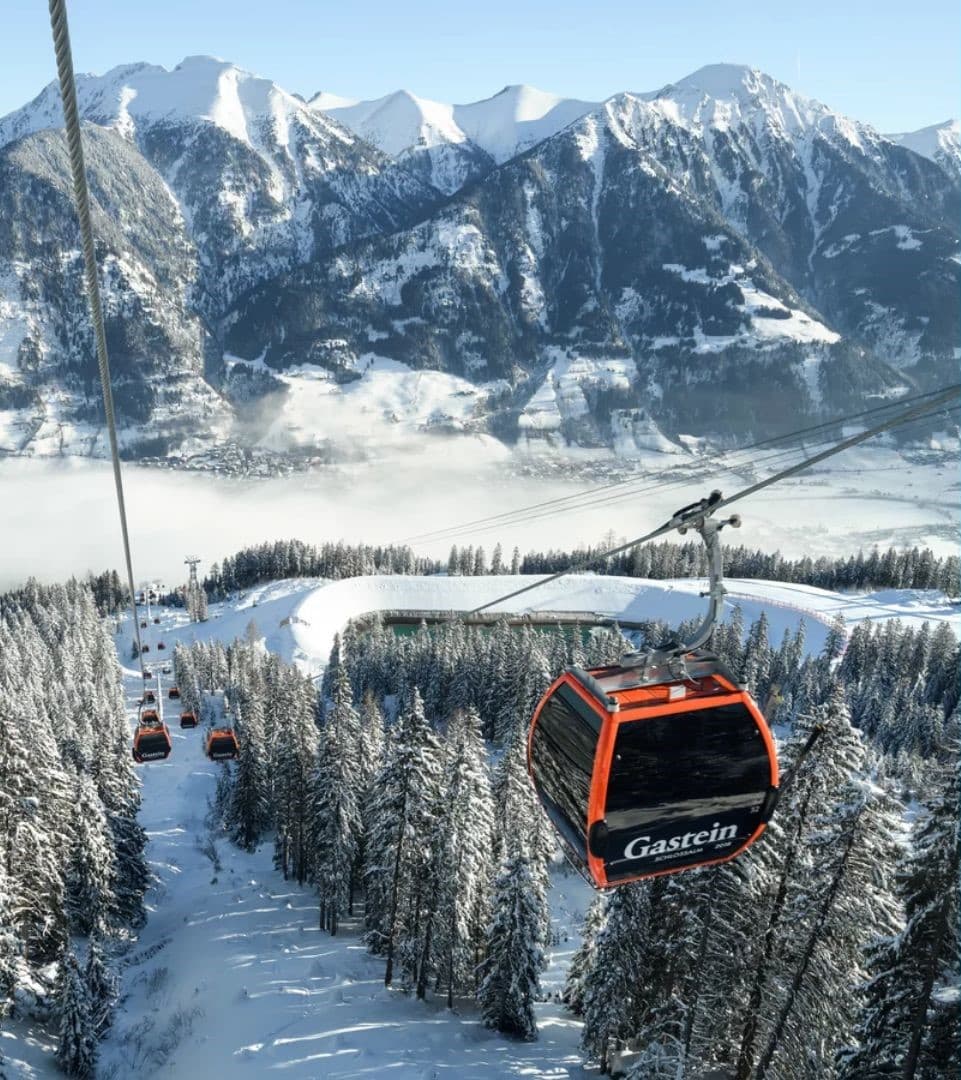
699,517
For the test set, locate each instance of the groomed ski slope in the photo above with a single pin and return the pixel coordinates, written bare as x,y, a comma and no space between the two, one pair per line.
231,978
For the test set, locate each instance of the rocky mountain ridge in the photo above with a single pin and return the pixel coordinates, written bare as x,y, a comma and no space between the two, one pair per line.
718,258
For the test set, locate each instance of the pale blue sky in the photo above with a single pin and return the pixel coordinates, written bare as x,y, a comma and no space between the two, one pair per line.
894,65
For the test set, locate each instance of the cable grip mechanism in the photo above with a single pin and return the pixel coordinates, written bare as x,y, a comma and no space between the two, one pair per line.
696,516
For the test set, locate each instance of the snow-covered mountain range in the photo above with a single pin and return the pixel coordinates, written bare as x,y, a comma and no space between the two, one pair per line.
720,256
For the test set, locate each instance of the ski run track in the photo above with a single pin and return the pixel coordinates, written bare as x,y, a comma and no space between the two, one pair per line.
231,976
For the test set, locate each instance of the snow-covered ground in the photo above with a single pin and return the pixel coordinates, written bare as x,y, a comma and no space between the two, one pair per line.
231,977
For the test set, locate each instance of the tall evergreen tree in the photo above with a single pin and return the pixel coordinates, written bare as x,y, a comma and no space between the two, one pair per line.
909,1022
398,872
101,987
91,867
336,825
462,845
510,972
248,809
77,1048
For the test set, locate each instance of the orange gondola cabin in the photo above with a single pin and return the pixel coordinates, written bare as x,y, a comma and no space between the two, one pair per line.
151,741
222,744
173,693
642,773
150,698
188,719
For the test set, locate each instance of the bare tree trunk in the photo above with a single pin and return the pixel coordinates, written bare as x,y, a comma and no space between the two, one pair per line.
924,999
392,919
778,1030
745,1060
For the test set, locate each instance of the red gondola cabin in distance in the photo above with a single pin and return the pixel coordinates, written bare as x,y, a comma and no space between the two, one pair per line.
173,693
151,741
221,744
188,719
642,777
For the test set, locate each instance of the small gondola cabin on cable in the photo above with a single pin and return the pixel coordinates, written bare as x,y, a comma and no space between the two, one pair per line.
173,693
222,744
188,719
642,777
151,741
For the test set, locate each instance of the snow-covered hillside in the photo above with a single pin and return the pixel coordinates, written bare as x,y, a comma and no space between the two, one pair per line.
939,142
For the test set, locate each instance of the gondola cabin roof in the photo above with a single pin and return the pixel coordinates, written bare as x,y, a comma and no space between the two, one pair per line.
645,773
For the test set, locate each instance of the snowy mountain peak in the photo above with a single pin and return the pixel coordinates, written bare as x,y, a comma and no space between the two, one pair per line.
517,118
939,142
324,100
725,96
398,123
729,80
200,89
501,126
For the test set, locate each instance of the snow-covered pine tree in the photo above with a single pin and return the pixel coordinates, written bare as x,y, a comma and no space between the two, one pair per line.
582,962
612,1008
295,758
520,824
91,867
909,1021
836,757
400,824
336,824
77,1047
844,901
510,972
101,987
9,945
462,845
248,810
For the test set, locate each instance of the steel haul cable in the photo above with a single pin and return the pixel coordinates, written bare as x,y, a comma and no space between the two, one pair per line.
71,117
663,485
901,418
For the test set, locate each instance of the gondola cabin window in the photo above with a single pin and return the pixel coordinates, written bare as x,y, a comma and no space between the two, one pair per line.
684,789
562,752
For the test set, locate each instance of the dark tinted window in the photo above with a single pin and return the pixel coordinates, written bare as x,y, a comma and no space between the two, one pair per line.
154,743
684,789
562,761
